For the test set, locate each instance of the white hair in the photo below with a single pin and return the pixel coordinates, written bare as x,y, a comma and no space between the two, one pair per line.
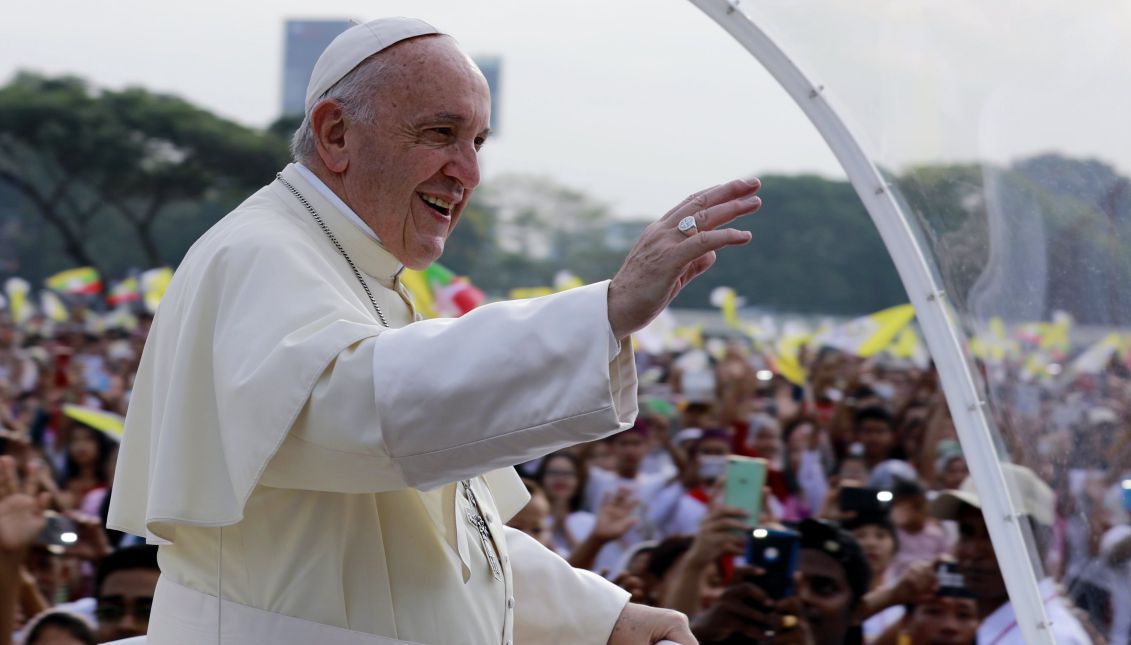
354,93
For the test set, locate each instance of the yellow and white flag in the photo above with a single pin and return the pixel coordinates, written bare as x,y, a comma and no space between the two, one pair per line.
565,280
868,335
1055,335
726,299
994,343
18,306
522,293
417,286
657,336
786,357
1096,358
52,306
908,346
154,282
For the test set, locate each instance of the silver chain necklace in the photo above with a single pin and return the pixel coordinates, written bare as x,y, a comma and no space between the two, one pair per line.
337,245
476,518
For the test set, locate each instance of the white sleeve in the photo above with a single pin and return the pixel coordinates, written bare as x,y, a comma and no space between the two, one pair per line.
443,400
556,604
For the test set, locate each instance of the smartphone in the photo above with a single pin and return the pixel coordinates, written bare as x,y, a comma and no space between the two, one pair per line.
864,500
745,480
59,533
775,553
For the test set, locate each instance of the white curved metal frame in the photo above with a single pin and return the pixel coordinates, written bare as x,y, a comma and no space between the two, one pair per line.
966,406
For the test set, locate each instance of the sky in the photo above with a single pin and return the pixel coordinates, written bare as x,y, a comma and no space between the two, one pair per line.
639,103
636,103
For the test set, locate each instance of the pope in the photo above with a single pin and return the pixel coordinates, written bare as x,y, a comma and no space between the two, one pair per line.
319,465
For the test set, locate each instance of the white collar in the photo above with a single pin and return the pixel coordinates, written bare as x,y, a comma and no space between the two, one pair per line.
335,200
1001,626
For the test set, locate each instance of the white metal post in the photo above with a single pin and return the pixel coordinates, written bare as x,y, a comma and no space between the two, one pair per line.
966,406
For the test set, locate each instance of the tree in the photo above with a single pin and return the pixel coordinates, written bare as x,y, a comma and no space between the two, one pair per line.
1044,233
814,250
75,153
532,228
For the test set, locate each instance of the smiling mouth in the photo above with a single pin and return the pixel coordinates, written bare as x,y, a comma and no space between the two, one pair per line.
435,203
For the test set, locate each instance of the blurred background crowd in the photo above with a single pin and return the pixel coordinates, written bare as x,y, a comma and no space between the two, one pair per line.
643,507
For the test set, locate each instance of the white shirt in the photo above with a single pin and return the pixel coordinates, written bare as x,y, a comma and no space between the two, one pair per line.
579,524
644,487
1000,627
675,512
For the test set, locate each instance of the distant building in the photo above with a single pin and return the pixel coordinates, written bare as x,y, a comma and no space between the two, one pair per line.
305,40
622,234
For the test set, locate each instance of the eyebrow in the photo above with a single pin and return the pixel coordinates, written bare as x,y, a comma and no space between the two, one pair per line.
452,117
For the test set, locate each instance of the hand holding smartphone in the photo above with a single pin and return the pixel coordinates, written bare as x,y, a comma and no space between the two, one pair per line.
864,500
774,553
59,532
745,481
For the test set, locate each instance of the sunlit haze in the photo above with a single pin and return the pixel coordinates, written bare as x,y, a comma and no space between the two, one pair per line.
636,103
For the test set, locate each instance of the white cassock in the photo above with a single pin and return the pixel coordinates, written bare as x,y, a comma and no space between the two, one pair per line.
301,462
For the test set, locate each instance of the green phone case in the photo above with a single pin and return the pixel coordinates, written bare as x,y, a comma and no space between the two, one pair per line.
745,481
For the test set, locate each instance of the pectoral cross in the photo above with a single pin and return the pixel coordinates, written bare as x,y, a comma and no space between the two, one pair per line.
475,517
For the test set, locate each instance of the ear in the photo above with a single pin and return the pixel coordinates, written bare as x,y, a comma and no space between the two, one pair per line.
327,122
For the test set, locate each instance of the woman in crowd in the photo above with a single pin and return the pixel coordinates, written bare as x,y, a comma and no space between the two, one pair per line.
807,452
877,537
87,452
562,476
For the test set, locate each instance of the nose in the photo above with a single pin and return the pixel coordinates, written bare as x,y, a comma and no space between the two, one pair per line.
464,166
131,625
949,626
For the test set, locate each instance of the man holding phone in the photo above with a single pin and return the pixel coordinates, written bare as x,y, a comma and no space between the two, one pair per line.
942,620
831,579
977,561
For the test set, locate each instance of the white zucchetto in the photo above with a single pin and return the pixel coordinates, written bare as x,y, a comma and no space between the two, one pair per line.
356,44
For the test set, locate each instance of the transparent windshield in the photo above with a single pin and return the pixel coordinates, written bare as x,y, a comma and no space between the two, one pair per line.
1003,129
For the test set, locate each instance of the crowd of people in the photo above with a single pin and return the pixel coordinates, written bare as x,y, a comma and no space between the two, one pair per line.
68,579
645,508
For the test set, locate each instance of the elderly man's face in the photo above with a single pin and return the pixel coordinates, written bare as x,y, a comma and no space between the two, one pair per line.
414,168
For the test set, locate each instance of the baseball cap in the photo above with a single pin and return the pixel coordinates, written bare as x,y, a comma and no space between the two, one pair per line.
887,474
839,545
947,451
356,44
1029,494
687,435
